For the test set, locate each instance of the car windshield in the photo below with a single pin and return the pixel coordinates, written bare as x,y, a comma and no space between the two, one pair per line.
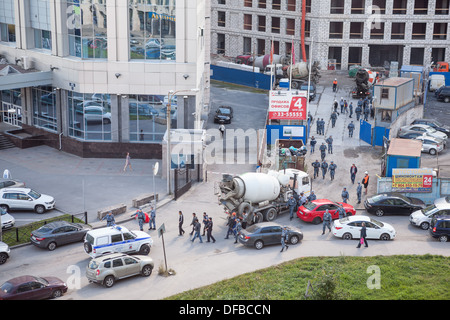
429,210
41,280
310,205
224,111
6,287
377,197
45,229
311,88
431,129
34,194
252,228
404,198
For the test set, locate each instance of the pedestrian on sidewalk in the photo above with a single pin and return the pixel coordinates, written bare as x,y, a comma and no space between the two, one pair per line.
205,221
313,143
323,150
358,192
326,221
152,221
350,107
231,224
345,106
110,221
332,167
358,111
333,118
329,142
353,171
237,229
365,181
209,228
141,218
350,128
318,124
366,113
180,223
362,236
316,166
222,130
197,227
324,167
127,163
335,83
335,106
292,203
341,103
284,238
194,218
345,196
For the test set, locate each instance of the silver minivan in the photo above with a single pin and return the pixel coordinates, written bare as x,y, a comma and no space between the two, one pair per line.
422,218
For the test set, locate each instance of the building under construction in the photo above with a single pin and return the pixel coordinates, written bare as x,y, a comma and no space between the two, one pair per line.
349,32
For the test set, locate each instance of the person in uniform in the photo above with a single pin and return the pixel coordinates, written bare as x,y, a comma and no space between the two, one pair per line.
209,228
350,107
332,167
284,238
237,229
345,196
152,221
316,166
358,111
350,128
141,218
323,150
197,227
110,221
341,211
358,192
180,223
324,167
329,142
312,196
204,221
326,221
292,204
313,142
333,118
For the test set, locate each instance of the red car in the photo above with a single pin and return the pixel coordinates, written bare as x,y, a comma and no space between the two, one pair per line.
32,288
313,210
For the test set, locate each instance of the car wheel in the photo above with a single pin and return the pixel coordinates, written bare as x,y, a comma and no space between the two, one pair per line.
432,152
87,247
379,213
385,237
259,244
106,121
270,214
443,238
4,207
51,246
347,236
145,250
317,220
3,257
109,281
57,293
424,225
447,99
294,240
147,270
39,209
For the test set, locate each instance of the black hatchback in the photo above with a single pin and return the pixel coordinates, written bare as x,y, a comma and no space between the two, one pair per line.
58,233
440,228
392,203
267,233
224,114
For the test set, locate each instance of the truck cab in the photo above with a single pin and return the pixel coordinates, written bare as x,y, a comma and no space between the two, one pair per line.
441,66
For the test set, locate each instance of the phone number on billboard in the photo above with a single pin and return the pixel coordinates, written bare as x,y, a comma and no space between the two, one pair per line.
288,114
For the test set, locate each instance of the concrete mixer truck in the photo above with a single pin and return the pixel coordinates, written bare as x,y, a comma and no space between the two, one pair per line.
364,80
265,194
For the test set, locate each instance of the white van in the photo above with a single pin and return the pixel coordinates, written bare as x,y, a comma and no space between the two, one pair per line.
117,239
436,81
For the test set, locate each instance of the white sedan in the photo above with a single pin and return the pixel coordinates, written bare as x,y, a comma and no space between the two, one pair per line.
8,220
350,227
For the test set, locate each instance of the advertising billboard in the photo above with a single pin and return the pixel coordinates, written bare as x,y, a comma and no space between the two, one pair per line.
288,105
412,180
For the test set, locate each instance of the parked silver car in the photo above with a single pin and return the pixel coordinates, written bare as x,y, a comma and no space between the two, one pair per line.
423,128
109,268
430,144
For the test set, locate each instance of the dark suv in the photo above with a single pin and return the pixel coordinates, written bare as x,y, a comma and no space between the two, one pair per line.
440,228
444,94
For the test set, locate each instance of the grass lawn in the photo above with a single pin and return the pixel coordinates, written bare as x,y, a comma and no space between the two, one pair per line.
407,277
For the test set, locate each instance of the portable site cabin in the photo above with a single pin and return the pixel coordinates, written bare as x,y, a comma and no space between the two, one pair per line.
417,74
403,153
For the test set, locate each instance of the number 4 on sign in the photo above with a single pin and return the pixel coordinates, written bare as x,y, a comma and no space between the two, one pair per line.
297,102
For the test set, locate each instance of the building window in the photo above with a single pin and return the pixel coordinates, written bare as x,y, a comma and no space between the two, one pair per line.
42,39
148,117
276,4
89,116
248,3
262,4
291,5
442,7
248,22
386,115
290,27
357,7
377,31
440,31
419,31
421,7
44,108
398,31
356,30
220,43
399,7
337,7
152,30
354,56
385,93
262,23
336,30
11,100
416,57
261,43
247,46
8,33
378,6
86,25
221,18
275,25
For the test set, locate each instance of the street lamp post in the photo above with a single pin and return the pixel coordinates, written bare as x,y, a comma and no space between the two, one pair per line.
170,96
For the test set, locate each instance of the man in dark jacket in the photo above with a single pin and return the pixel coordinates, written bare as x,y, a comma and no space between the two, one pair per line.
209,228
363,236
316,166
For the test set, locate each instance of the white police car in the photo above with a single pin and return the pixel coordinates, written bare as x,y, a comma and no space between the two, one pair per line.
116,239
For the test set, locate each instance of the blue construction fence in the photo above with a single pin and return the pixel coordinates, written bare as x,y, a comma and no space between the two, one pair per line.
241,77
